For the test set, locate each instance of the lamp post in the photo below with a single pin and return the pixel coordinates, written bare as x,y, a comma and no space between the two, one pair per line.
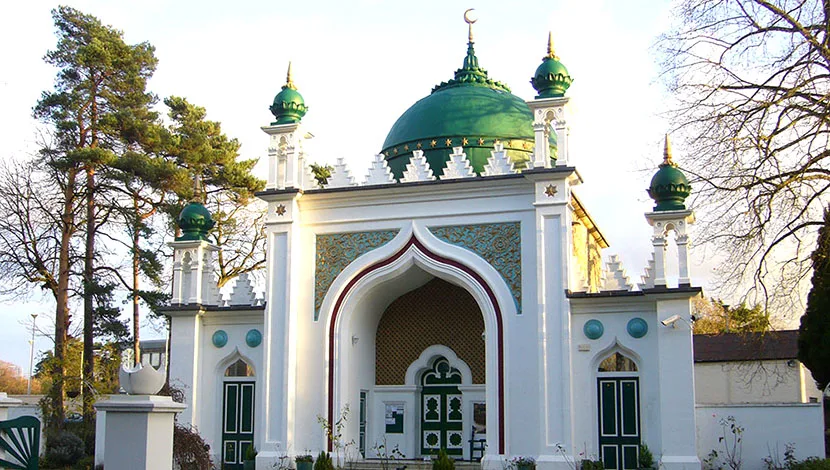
31,355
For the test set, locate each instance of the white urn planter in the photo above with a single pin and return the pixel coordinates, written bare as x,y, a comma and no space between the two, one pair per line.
141,380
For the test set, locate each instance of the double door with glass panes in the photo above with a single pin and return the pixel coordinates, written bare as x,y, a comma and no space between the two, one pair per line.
237,423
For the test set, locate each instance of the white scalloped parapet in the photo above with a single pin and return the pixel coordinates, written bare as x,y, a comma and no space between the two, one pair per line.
417,169
648,276
340,176
213,297
243,291
458,166
498,163
615,276
379,172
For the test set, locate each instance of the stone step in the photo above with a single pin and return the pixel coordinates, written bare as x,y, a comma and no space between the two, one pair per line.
404,464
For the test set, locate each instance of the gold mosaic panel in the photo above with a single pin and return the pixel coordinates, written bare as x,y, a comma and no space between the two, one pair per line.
335,251
499,244
436,313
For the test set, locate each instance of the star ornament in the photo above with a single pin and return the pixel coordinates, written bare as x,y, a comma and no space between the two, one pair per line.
281,210
551,190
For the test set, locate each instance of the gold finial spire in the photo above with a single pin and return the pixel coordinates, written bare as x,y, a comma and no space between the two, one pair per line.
551,53
289,80
667,160
469,22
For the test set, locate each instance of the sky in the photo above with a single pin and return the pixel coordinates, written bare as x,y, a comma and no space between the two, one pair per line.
359,65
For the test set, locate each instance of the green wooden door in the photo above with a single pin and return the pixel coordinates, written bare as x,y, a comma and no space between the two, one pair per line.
441,405
619,422
237,423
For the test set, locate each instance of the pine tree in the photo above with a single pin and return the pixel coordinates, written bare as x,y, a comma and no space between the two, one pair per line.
99,108
814,333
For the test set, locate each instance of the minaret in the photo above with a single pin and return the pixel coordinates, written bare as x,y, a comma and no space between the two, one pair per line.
193,257
286,165
669,189
551,81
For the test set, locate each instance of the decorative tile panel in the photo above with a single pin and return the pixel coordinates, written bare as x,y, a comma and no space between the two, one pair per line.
335,251
499,244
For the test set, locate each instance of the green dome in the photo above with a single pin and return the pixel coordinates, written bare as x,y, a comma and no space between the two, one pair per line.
195,222
470,111
289,106
551,79
669,187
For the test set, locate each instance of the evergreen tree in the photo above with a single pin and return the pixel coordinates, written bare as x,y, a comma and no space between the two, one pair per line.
225,185
99,108
814,332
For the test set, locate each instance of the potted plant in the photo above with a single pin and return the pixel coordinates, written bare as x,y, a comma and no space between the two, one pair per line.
645,459
249,460
589,464
304,461
523,463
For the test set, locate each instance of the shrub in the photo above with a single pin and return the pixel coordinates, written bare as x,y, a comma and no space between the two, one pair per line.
189,449
443,462
250,453
64,449
645,459
323,462
812,463
592,465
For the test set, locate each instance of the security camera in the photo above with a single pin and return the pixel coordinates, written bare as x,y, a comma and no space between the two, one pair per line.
671,321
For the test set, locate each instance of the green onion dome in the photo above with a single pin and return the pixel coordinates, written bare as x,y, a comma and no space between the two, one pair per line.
195,222
289,106
551,79
669,187
471,111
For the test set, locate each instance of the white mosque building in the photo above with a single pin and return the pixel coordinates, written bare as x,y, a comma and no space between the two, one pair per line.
454,298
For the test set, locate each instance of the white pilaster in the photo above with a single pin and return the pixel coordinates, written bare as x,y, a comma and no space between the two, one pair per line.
683,259
659,244
278,391
138,433
554,263
550,115
186,358
677,404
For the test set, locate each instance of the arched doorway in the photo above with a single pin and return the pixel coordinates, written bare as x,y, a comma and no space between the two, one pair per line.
618,392
430,352
358,297
238,396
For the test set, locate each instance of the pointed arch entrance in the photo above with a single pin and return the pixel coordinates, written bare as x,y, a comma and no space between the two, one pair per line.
438,259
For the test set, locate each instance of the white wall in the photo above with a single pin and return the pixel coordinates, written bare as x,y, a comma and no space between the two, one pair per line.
767,428
753,382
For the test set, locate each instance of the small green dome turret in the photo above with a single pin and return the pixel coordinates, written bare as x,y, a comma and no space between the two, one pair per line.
669,187
551,79
289,106
195,222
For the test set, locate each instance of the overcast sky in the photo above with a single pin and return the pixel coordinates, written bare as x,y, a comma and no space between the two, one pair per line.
360,65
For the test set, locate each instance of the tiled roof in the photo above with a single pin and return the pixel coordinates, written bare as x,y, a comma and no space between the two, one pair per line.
746,346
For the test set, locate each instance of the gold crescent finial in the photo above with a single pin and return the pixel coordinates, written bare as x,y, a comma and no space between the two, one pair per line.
289,80
470,22
667,157
551,53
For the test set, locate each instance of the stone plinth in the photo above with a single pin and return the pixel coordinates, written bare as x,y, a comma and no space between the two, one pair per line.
5,404
138,433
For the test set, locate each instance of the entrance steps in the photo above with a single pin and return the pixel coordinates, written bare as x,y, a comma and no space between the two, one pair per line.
405,464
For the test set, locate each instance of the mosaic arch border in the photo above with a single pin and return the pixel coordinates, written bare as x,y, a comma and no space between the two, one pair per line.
500,244
491,295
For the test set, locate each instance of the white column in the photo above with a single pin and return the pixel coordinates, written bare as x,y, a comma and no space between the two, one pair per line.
138,434
192,282
677,403
683,259
541,149
277,394
659,244
554,262
185,359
